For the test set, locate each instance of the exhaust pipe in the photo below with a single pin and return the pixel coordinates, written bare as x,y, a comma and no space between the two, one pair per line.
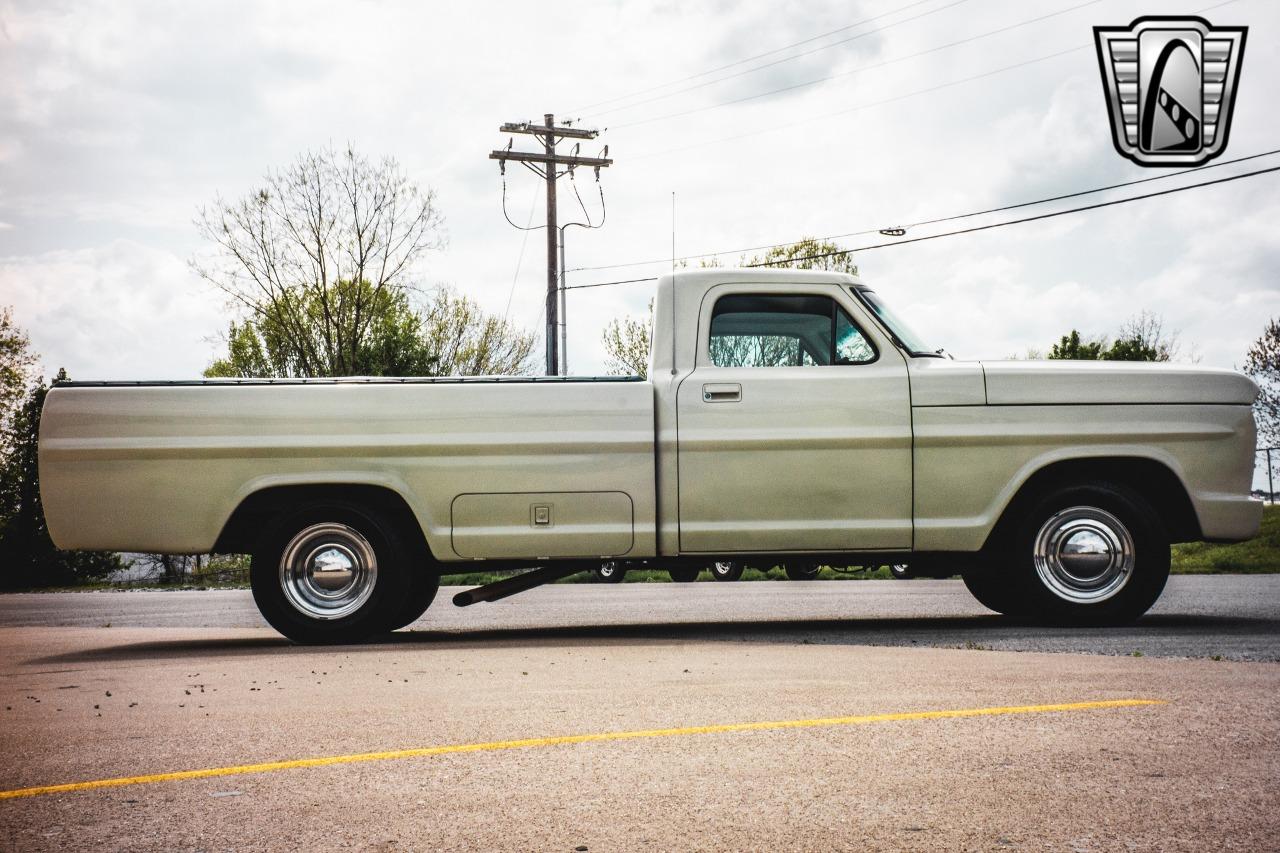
518,583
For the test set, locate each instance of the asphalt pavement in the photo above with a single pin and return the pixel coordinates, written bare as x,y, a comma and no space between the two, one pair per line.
1236,617
850,715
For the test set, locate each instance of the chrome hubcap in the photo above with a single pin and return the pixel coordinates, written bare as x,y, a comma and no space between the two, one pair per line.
1084,555
328,571
722,569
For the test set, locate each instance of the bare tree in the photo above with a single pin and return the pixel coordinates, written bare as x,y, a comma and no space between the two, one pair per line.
1143,338
298,250
626,345
1263,364
169,568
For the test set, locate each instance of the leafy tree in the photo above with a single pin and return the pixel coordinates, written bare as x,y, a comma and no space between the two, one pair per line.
1074,347
786,256
16,361
451,337
626,345
1263,364
1141,338
459,339
27,554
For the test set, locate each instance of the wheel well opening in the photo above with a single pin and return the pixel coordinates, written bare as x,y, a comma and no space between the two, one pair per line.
256,511
1149,478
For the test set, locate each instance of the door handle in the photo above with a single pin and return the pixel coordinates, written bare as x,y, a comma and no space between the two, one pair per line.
722,392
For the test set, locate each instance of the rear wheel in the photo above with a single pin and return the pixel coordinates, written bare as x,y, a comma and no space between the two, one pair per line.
423,589
726,571
901,571
802,571
335,572
684,574
609,572
1093,554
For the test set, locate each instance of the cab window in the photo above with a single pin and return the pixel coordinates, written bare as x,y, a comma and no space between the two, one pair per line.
773,330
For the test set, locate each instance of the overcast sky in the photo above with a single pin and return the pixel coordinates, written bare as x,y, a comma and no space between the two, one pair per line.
118,119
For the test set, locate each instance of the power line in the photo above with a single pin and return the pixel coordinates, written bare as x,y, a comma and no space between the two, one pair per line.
793,87
1036,218
773,128
950,218
749,58
779,62
976,228
524,241
610,283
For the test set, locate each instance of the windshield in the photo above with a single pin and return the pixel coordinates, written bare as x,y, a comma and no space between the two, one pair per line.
900,330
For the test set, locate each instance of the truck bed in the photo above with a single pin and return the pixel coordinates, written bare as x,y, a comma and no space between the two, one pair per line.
161,466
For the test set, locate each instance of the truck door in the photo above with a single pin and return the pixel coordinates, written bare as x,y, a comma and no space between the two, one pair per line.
794,427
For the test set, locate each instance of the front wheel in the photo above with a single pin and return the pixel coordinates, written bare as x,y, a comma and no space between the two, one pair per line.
1093,554
992,589
609,572
334,572
726,571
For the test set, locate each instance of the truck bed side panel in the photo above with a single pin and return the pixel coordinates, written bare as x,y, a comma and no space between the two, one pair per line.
161,468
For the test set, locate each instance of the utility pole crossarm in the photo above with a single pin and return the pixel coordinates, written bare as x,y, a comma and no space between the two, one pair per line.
542,130
557,159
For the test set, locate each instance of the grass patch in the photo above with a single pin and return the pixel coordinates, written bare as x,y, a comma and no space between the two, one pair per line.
1260,555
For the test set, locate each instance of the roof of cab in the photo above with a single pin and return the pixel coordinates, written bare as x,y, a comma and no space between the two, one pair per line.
772,275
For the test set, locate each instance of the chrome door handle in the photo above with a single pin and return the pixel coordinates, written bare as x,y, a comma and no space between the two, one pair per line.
722,392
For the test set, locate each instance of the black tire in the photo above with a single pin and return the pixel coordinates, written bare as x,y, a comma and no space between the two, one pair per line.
802,571
993,589
684,574
422,591
726,570
1094,583
900,571
370,603
609,572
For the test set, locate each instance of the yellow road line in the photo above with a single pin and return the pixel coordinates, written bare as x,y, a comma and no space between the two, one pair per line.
568,739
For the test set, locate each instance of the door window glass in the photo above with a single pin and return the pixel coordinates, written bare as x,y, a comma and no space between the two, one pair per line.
769,330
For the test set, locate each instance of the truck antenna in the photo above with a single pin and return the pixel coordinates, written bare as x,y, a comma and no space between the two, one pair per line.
673,282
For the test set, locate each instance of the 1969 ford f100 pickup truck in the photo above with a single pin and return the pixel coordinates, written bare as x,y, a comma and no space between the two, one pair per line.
789,417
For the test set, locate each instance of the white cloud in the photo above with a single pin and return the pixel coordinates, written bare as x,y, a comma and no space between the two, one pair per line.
123,118
124,311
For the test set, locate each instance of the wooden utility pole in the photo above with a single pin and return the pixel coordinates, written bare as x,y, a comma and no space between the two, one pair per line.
546,165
